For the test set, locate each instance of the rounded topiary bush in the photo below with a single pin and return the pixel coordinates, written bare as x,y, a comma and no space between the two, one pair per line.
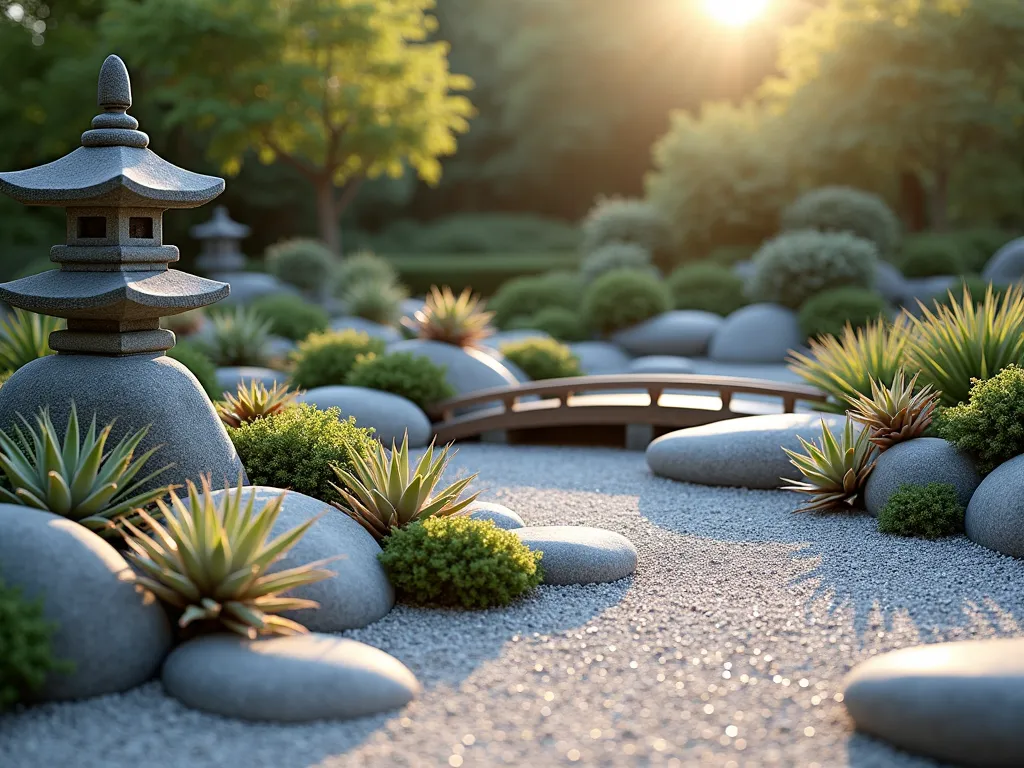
792,267
845,209
623,298
413,377
990,426
326,359
708,287
625,220
930,254
306,264
25,655
295,448
375,300
363,267
564,324
543,358
459,561
926,511
291,316
200,364
828,312
613,256
526,296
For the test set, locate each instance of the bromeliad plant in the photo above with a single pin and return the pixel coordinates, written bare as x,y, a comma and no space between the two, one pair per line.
239,337
77,478
896,413
834,471
254,401
24,337
383,494
210,559
459,320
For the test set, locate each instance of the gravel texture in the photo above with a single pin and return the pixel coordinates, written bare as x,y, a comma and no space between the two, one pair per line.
728,648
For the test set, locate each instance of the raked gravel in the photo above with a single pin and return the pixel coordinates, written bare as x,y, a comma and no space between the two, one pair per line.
727,648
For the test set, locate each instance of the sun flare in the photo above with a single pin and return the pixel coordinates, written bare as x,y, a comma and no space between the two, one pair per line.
735,13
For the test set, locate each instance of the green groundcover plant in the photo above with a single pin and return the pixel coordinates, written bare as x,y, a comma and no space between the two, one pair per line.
709,287
622,298
563,324
26,657
542,358
926,511
326,359
414,377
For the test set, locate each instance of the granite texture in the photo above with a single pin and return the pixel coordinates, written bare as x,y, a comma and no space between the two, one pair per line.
132,392
995,516
920,461
600,357
1006,264
287,679
115,636
579,554
501,516
360,593
681,332
758,333
961,703
391,416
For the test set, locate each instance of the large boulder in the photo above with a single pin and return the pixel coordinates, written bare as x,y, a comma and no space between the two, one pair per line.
661,364
468,370
681,332
360,593
1007,264
385,333
961,703
391,416
495,340
759,333
600,357
995,516
246,287
287,679
229,377
114,635
745,452
923,290
919,462
578,554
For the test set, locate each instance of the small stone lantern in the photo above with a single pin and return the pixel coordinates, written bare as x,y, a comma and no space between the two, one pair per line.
220,237
113,286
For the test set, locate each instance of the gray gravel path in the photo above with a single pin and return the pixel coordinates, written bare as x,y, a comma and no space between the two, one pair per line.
728,648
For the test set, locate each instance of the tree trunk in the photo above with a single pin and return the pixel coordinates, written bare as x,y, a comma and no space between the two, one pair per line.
940,201
327,214
914,201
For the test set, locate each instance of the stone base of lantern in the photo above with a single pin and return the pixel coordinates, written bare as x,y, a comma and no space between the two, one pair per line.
133,392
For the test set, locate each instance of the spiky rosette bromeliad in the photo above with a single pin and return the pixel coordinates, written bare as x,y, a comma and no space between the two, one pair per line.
254,401
459,320
834,470
896,413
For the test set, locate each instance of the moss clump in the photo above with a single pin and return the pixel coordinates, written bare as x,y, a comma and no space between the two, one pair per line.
295,448
828,312
708,287
291,316
458,561
413,377
327,359
25,655
543,358
927,511
201,365
623,298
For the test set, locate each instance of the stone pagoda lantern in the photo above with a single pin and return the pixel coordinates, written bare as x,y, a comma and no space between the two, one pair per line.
113,286
220,237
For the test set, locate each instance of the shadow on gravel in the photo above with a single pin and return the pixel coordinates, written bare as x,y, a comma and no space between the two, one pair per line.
865,752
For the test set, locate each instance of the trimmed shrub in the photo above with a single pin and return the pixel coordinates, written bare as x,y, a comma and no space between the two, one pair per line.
623,298
306,264
363,267
326,359
794,266
196,360
563,324
990,425
291,316
295,448
26,658
543,358
413,377
927,511
625,221
615,256
845,209
375,300
459,561
526,296
708,287
927,255
828,312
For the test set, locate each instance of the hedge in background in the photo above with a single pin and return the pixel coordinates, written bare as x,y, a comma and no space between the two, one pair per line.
623,298
928,254
828,312
484,273
707,287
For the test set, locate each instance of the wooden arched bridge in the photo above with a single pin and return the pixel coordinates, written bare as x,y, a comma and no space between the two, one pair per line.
643,405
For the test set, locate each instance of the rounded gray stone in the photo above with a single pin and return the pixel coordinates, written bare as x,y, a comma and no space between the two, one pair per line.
920,461
925,289
359,593
296,679
745,452
229,377
600,357
501,516
661,364
495,340
390,415
115,635
681,332
578,554
385,333
890,282
759,333
995,516
961,703
1007,264
280,347
468,370
246,287
132,392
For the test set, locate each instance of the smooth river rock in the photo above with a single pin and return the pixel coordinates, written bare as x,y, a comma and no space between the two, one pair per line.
229,377
501,516
577,554
600,357
1007,264
681,332
920,461
758,333
661,364
390,415
995,516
